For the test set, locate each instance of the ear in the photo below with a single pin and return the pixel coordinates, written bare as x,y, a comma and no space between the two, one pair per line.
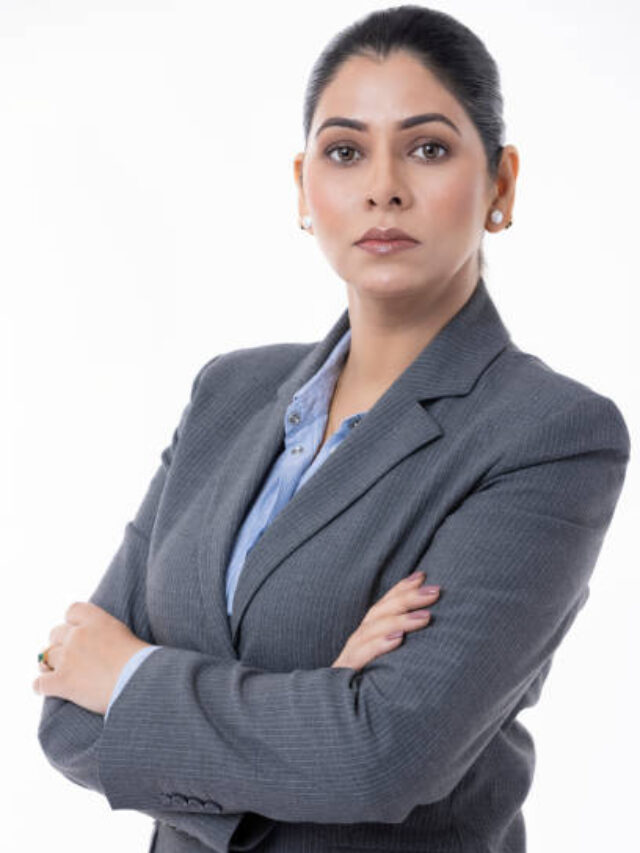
502,195
297,173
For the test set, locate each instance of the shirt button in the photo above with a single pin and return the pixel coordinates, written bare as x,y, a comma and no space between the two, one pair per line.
297,449
294,418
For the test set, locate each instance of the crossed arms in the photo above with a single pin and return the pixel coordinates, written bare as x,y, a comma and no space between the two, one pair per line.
332,745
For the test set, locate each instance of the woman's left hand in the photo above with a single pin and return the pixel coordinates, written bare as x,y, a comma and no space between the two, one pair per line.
87,654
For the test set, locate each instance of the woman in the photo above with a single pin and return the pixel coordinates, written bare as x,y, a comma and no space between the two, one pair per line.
254,669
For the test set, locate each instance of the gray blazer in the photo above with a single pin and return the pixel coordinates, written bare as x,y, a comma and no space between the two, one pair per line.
481,465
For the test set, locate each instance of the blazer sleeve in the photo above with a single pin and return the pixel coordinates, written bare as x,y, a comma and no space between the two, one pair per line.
69,734
336,745
127,671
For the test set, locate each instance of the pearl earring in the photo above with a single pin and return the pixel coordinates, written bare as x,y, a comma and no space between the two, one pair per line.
497,216
306,222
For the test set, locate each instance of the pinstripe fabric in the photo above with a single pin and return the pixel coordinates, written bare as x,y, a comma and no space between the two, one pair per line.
481,465
304,425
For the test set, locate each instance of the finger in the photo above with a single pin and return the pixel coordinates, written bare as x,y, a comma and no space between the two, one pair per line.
364,653
376,645
81,611
413,578
407,583
381,633
383,627
384,640
48,684
416,596
403,584
417,618
59,633
398,590
53,658
404,599
421,596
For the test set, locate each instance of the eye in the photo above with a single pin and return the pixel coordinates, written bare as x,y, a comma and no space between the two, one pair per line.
341,148
432,144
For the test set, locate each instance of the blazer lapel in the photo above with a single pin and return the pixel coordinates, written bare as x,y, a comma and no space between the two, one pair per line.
394,427
248,461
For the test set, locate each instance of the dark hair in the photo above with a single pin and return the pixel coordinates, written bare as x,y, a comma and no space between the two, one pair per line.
446,47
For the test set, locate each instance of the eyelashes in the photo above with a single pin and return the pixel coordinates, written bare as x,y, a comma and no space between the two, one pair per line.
343,146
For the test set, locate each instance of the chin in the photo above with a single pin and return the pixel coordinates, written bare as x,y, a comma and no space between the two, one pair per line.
387,285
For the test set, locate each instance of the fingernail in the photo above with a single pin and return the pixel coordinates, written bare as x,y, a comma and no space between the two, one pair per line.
394,635
428,590
419,614
415,576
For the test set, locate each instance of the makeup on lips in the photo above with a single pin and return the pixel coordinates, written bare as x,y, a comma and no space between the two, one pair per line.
385,241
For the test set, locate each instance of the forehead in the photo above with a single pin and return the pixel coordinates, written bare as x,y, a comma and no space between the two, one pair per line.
386,90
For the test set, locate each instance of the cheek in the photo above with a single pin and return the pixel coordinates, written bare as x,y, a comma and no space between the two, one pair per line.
457,203
328,199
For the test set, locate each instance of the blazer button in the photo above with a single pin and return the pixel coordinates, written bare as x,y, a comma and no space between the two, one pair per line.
212,806
194,803
179,800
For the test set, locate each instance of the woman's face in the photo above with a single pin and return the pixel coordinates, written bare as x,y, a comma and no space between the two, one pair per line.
429,179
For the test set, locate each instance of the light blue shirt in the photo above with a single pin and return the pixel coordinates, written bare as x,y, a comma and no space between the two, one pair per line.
304,425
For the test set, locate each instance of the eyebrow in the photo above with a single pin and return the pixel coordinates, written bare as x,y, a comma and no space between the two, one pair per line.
411,121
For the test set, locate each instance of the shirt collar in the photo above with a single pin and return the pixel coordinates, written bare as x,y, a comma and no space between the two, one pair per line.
314,396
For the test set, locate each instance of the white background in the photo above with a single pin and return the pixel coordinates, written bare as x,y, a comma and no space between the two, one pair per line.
148,220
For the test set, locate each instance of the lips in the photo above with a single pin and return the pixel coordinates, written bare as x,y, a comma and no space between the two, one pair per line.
387,234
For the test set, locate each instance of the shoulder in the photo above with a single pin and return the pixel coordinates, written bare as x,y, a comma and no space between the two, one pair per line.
249,368
543,408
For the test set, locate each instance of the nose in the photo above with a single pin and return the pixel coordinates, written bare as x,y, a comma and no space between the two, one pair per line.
386,188
394,199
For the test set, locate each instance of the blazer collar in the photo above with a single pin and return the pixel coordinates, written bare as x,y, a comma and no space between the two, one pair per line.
395,426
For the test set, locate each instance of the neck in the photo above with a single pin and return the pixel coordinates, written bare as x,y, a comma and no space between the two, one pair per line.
387,334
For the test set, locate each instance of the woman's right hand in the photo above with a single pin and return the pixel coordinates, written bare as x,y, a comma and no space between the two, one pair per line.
394,614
